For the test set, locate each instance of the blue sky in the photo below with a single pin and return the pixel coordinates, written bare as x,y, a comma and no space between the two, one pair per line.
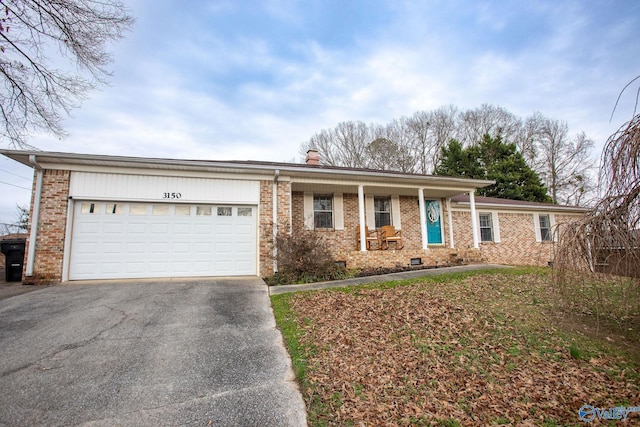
252,80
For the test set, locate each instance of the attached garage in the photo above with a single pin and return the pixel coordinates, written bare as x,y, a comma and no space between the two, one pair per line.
112,240
137,226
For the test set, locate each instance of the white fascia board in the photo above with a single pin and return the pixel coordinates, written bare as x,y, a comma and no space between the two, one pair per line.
294,171
162,172
464,207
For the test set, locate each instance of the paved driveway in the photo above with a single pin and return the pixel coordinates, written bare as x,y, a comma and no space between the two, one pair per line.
150,353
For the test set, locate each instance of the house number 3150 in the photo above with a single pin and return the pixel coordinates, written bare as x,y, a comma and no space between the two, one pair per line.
171,195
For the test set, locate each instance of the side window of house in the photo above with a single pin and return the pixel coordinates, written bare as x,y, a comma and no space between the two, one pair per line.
486,227
382,211
545,228
323,211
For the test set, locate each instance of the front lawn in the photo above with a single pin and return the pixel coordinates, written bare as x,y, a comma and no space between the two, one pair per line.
481,348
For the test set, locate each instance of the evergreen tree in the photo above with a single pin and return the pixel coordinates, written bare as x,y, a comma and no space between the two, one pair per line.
493,159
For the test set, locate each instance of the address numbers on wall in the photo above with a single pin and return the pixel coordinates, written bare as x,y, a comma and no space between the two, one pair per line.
171,195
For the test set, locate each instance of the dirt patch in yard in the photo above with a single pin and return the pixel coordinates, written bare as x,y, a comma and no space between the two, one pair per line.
480,350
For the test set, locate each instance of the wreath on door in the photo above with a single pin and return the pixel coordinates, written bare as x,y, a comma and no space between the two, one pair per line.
433,212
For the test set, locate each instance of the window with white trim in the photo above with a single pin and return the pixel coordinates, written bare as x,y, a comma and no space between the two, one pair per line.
323,211
382,211
486,227
545,228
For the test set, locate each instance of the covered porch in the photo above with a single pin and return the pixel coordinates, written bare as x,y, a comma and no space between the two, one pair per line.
417,206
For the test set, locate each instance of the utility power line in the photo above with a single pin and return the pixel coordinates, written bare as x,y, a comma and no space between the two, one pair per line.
13,185
14,174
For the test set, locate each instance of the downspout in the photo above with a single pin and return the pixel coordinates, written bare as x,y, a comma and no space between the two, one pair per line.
35,215
275,219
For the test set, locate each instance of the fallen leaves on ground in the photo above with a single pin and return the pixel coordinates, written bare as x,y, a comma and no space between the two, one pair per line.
475,351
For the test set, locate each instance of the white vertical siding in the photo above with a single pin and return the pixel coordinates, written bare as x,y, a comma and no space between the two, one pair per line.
153,188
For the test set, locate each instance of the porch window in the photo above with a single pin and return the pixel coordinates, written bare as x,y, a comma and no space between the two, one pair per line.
382,211
323,211
545,228
486,227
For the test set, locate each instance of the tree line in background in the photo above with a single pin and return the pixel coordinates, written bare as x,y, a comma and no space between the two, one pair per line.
420,142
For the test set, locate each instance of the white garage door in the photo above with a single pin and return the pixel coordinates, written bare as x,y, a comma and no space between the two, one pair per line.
112,240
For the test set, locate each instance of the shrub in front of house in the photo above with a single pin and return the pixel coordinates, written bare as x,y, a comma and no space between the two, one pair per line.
303,257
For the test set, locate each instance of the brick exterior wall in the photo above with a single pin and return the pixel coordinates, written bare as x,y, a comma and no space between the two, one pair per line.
265,226
345,247
517,246
265,229
51,229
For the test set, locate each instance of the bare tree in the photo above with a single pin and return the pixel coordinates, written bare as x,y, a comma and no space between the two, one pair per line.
345,145
418,127
398,133
564,164
473,125
527,137
19,225
597,260
35,93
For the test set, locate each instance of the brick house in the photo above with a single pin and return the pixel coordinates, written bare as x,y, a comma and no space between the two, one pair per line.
108,217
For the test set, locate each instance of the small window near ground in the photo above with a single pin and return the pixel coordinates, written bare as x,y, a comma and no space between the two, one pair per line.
245,212
182,210
323,211
135,209
115,208
88,208
160,210
224,211
203,210
486,228
545,228
382,211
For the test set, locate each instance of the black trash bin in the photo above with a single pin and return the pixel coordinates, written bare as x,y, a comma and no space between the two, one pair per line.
13,251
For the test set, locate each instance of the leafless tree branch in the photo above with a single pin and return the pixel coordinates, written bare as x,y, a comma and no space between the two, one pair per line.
36,94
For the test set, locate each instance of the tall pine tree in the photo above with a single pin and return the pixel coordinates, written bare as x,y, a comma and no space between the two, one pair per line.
493,159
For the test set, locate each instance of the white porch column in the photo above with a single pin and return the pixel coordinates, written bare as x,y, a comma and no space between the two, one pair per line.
450,221
361,219
423,219
474,219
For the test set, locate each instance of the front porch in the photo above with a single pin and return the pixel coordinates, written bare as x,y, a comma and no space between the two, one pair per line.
344,242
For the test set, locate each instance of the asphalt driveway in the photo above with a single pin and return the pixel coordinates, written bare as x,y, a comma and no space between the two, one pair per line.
160,353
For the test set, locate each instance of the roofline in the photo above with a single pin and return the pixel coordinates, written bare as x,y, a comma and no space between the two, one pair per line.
22,156
525,206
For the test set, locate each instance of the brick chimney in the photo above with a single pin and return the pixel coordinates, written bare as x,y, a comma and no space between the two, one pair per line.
313,158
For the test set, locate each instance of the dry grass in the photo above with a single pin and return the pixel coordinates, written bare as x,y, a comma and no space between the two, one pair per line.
483,349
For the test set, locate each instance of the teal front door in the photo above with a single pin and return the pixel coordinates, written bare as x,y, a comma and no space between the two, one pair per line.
434,225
